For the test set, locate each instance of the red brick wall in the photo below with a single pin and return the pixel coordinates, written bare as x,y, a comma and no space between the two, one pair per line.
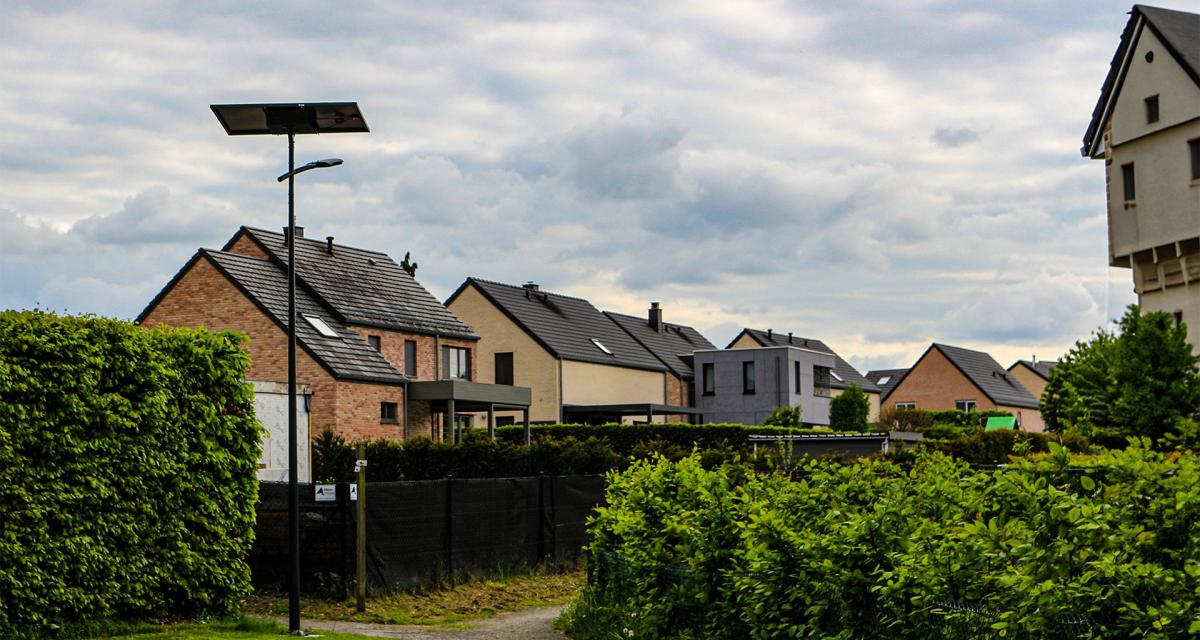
391,345
204,297
935,384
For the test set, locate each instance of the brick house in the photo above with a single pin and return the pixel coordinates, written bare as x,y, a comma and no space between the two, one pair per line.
842,376
580,364
946,378
1034,374
383,358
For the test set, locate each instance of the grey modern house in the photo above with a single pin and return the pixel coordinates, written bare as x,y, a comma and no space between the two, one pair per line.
745,385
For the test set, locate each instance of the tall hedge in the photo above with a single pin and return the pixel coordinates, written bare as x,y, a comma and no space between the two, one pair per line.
127,471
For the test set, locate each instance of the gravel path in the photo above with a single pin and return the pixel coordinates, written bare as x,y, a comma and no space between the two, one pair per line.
530,624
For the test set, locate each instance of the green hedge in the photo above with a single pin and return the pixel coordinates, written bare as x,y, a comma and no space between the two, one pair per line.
625,438
1053,547
995,447
127,471
923,420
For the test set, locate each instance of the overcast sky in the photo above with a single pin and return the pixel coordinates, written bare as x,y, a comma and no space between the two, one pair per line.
878,175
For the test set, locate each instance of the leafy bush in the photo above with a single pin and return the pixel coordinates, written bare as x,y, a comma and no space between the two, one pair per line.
922,420
127,471
1057,546
996,447
624,438
848,411
786,417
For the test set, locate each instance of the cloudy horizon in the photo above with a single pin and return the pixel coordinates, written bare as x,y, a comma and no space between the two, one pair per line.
877,177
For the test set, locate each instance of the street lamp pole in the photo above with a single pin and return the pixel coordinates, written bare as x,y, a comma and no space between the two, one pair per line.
260,119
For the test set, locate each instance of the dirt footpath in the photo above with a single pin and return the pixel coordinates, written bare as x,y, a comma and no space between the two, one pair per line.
530,624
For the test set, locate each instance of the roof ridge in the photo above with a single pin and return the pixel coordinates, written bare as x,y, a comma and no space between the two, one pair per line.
540,290
320,242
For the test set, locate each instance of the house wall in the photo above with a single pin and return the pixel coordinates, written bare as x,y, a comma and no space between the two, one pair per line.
245,246
204,297
745,342
1029,379
1178,95
1029,419
590,383
774,385
533,366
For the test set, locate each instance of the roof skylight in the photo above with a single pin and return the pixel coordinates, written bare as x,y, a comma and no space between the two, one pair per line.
885,380
600,346
322,328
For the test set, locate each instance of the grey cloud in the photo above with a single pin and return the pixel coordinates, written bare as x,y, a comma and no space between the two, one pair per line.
630,157
953,138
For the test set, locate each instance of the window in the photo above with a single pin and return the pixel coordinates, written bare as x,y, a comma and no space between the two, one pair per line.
1194,148
456,363
504,421
796,371
710,382
747,377
1152,109
322,328
387,412
906,405
504,368
600,346
833,374
964,405
1130,187
1178,317
374,342
821,376
884,380
410,358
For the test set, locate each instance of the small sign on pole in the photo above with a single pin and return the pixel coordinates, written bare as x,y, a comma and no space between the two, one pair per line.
325,492
354,492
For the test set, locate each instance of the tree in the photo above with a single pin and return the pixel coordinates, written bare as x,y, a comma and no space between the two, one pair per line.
1141,381
785,417
849,410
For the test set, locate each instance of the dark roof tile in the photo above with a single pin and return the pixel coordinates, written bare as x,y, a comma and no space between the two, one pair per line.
987,374
893,376
673,341
847,373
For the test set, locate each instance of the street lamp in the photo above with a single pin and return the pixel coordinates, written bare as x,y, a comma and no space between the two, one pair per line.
292,119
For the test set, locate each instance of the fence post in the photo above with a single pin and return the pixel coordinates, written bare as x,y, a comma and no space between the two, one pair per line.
361,466
541,557
449,525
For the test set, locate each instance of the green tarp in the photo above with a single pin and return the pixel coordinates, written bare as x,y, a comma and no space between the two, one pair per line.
995,424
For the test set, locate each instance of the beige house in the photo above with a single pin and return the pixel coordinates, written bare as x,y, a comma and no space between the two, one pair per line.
842,376
1033,375
580,365
1146,128
947,378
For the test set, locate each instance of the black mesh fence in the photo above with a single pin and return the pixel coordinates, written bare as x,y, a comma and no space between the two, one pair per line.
423,532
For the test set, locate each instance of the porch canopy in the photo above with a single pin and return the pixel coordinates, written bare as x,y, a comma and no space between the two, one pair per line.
463,396
602,413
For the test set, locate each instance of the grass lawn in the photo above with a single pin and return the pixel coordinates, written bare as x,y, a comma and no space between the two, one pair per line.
470,600
241,630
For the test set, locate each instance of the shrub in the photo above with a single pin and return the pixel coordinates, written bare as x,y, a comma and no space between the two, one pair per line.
1056,546
785,417
623,438
127,471
922,420
848,411
996,447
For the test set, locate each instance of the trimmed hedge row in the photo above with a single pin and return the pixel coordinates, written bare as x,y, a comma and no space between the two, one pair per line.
127,471
995,447
625,438
1053,547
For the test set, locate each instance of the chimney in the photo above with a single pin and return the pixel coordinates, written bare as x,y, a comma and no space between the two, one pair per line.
655,317
329,245
789,337
769,332
530,286
299,234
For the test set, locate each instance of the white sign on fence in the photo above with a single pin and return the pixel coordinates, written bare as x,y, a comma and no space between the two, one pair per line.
325,493
353,492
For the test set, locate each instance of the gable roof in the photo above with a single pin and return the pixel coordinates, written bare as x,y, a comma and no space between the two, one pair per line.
847,373
987,375
893,376
1179,32
362,287
346,357
1041,367
673,341
564,326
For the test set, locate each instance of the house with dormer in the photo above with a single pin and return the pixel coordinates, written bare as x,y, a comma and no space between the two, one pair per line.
580,364
379,355
1146,128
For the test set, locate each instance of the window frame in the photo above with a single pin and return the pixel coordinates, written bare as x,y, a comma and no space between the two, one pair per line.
971,404
410,358
823,381
461,362
320,326
906,405
1152,112
708,378
376,343
1128,182
389,407
497,359
749,385
799,383
1194,153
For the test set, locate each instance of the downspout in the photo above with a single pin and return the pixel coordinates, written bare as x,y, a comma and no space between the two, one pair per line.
405,408
437,375
562,417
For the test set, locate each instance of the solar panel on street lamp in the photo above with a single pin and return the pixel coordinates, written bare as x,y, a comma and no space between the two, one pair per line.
291,119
